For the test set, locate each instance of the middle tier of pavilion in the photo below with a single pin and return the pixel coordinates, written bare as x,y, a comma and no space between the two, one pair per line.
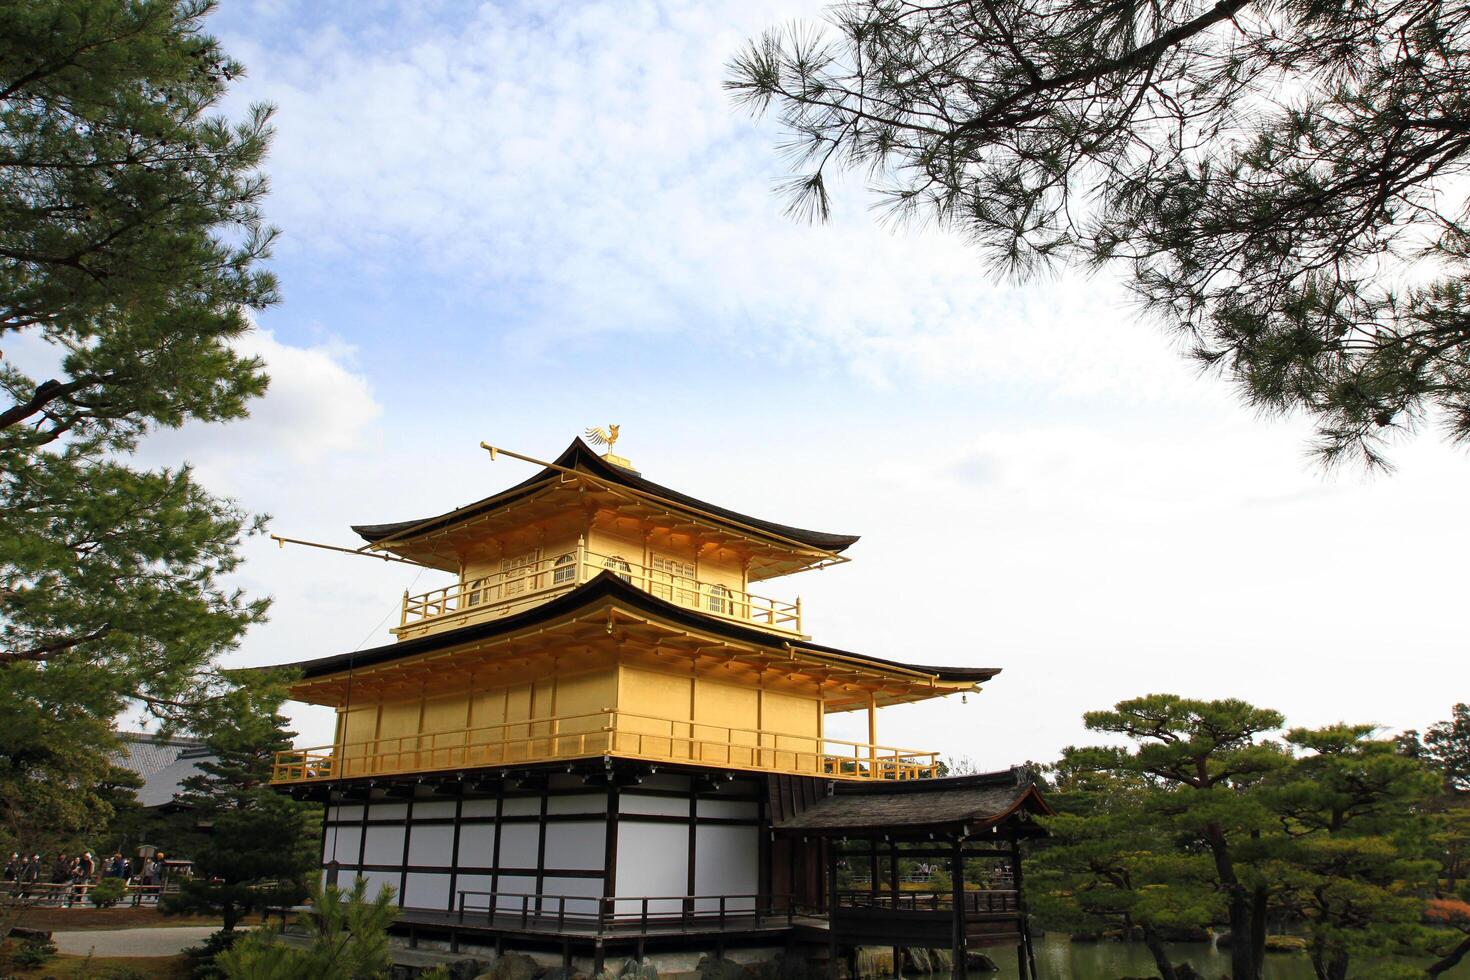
609,669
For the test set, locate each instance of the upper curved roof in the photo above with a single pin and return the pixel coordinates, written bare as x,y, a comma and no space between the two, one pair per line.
581,456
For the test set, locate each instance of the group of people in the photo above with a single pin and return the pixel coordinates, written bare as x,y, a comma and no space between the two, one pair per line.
23,874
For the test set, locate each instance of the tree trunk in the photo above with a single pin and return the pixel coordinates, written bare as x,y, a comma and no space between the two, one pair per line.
1161,955
1243,961
1258,930
1449,961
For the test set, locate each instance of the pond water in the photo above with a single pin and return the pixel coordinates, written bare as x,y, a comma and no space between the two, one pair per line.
1058,958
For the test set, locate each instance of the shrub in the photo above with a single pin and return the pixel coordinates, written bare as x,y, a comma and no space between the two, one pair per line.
108,892
33,952
201,957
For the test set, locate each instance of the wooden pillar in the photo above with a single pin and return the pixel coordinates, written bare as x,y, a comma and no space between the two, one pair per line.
958,942
1025,954
893,898
831,853
872,737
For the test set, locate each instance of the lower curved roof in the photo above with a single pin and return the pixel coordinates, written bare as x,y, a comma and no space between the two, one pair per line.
606,586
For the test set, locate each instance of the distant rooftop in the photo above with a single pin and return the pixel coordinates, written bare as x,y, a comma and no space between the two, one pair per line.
163,764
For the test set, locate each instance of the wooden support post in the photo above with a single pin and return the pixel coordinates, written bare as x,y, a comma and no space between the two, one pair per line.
893,898
872,736
831,912
958,941
1025,954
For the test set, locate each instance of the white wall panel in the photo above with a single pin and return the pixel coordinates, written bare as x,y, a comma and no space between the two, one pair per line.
522,806
580,895
578,803
348,839
431,845
513,884
653,860
579,846
387,811
472,883
478,808
433,809
519,843
734,809
426,891
476,845
377,879
726,862
664,806
384,845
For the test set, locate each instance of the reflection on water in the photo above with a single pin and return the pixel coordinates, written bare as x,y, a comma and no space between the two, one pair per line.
1058,958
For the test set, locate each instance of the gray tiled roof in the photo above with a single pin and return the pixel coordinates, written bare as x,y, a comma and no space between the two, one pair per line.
977,801
162,764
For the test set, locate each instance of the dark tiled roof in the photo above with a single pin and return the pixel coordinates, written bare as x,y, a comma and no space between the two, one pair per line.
162,764
580,455
977,801
605,585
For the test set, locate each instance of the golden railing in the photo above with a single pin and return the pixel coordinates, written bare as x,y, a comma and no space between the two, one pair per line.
532,584
610,732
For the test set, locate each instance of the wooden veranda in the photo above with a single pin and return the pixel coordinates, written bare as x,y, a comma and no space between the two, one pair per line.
946,821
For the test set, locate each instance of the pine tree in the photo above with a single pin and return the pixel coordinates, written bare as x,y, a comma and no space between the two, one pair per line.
1107,866
1278,182
1353,859
130,243
261,846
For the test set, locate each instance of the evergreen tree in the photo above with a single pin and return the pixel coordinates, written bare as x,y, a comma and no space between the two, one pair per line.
130,242
1206,758
261,846
1445,748
1353,858
1277,181
348,940
1108,867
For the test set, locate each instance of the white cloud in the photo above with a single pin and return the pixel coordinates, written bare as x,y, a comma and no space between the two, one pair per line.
317,405
590,167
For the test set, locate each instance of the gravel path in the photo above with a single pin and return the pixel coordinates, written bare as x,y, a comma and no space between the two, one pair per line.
131,942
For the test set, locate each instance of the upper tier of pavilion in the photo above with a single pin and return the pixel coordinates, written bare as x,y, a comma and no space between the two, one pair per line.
583,515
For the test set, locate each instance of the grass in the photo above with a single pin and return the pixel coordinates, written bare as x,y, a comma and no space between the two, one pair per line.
118,917
98,967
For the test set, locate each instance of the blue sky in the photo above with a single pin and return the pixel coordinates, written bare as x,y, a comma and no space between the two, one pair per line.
506,225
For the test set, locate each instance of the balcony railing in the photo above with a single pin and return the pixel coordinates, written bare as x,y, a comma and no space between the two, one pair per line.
610,732
532,584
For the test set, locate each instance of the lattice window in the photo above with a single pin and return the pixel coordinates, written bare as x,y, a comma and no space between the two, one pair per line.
564,569
673,580
718,600
516,573
619,566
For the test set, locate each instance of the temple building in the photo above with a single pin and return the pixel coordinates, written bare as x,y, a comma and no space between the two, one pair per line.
597,740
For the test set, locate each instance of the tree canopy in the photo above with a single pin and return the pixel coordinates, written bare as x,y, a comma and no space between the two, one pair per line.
130,247
1214,816
261,846
1277,181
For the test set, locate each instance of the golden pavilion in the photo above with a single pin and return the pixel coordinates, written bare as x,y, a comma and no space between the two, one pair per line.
598,736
